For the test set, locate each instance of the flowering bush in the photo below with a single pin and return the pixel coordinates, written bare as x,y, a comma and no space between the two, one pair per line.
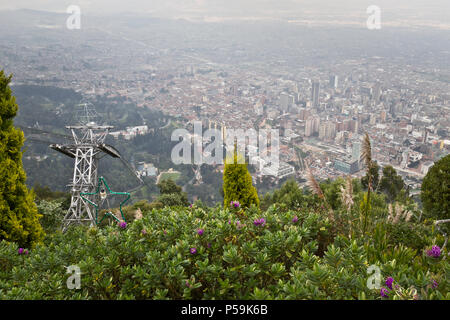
389,282
435,252
172,260
260,222
235,204
22,251
384,292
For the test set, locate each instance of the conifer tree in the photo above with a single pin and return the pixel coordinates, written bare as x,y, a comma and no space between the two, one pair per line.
237,183
435,193
19,219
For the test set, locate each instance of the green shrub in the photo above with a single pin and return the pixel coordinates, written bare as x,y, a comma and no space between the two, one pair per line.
237,183
413,235
52,215
234,258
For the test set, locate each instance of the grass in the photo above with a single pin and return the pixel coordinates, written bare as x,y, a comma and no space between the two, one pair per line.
169,175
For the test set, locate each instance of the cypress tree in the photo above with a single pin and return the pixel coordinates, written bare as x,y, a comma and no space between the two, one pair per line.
237,183
19,219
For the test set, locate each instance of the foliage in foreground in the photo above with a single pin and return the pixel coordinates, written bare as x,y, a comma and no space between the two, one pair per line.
19,219
237,182
196,253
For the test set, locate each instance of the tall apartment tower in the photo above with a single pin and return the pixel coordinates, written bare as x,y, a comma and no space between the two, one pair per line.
309,127
333,81
376,92
315,92
356,150
284,102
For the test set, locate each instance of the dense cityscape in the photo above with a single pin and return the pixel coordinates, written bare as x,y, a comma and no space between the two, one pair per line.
321,113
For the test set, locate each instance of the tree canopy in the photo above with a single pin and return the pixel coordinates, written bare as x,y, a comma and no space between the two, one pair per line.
436,190
19,219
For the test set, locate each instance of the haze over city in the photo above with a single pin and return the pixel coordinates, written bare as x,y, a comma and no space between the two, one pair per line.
404,13
116,118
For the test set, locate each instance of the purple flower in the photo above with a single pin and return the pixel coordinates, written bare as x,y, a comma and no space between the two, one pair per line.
122,225
187,284
209,245
190,206
295,219
193,250
384,292
235,204
20,251
26,251
434,284
435,252
260,222
165,232
389,282
144,232
200,232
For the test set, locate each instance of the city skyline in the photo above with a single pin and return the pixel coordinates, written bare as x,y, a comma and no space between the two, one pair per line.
321,87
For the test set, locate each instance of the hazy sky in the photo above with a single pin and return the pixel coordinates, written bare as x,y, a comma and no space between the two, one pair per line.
431,10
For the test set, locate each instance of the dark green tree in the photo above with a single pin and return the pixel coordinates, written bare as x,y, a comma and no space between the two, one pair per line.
290,194
435,193
19,218
391,183
171,194
237,183
168,186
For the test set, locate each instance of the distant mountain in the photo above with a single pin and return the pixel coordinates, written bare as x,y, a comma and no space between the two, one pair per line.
32,18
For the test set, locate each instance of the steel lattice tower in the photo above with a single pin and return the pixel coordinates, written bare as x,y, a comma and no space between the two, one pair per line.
87,148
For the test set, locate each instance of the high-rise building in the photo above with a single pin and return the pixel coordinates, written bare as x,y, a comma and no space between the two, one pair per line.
392,110
322,130
333,81
376,93
425,136
330,130
286,102
315,94
309,127
316,124
312,126
349,167
304,114
356,150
